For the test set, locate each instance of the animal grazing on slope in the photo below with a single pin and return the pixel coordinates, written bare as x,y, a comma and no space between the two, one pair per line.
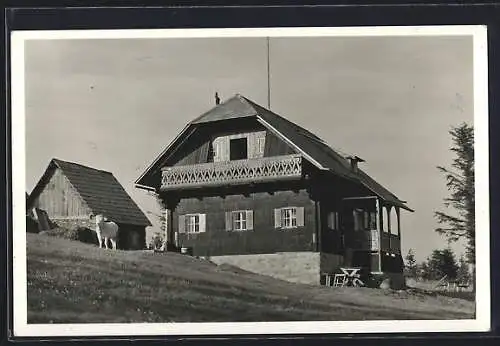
106,230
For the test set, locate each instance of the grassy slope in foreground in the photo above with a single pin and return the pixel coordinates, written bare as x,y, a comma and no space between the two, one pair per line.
72,282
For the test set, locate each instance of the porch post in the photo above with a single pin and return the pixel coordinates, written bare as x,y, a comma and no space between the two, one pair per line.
170,234
380,226
399,222
398,215
165,231
389,225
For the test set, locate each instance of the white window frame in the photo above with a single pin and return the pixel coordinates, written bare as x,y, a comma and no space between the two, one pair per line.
289,217
191,226
239,220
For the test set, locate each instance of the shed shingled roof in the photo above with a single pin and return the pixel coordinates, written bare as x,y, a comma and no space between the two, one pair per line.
99,189
314,148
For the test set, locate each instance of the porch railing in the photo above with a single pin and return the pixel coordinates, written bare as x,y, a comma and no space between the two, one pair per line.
391,242
232,172
369,240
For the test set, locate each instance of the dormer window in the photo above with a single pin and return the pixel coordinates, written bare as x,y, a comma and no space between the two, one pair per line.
238,149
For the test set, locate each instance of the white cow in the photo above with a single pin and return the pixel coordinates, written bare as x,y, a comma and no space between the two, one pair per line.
106,230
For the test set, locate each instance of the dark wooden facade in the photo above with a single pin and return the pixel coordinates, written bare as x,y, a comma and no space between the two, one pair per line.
210,176
264,237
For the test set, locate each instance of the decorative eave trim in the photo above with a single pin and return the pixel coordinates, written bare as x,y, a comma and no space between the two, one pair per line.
159,158
289,142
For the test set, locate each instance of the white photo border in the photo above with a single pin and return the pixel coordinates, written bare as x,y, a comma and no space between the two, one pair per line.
483,295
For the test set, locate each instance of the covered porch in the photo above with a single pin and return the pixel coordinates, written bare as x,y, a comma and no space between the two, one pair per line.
371,230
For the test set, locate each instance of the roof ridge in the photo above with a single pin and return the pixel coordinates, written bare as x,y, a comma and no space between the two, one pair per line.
237,95
252,103
56,160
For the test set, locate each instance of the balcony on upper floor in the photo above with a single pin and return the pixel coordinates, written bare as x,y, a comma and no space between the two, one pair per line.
235,172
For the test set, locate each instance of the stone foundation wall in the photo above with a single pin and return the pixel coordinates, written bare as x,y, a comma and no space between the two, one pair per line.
330,263
300,267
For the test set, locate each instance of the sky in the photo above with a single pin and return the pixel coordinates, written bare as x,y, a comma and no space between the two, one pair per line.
116,104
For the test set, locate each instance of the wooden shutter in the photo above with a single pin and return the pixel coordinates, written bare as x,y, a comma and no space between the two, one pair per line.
300,217
249,220
182,224
277,218
203,223
203,152
229,221
251,145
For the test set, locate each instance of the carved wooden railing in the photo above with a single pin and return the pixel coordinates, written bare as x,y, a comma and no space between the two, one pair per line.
232,172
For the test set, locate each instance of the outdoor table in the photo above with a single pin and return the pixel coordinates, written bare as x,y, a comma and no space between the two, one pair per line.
353,276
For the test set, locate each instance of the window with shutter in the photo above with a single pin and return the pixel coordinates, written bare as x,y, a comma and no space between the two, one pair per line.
292,217
239,220
194,223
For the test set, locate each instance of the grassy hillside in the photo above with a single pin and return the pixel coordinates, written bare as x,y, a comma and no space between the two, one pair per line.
72,282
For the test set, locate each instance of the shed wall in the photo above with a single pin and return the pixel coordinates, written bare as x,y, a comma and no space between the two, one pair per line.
59,199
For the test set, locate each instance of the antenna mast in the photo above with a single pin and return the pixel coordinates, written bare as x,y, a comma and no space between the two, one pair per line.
268,77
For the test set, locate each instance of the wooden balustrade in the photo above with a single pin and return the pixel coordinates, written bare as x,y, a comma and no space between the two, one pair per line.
358,240
391,242
368,240
232,172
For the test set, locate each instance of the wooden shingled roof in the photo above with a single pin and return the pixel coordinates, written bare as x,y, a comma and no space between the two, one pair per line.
313,148
100,191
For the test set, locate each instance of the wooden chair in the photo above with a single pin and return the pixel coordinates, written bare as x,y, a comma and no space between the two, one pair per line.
328,279
339,280
442,283
463,286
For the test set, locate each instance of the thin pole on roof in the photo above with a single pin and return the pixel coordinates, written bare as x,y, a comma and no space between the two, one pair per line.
268,77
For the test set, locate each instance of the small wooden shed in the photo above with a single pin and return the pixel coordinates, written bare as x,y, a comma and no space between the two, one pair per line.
70,193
